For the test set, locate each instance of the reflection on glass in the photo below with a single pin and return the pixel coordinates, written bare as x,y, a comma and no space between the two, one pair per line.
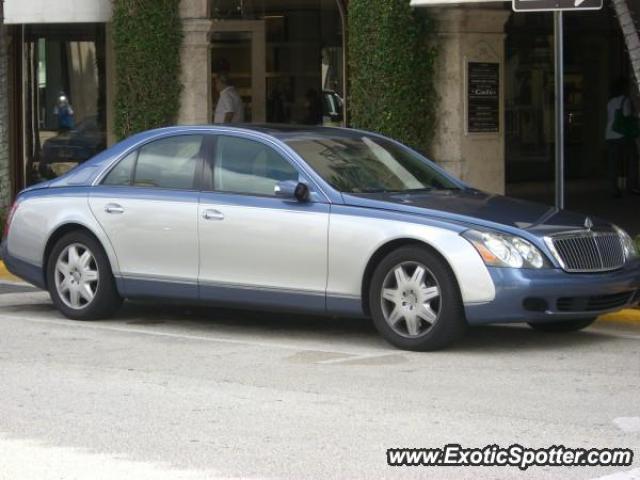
304,57
367,164
65,97
231,59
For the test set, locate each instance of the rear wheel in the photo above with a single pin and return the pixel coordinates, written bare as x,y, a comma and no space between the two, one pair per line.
563,326
80,281
415,301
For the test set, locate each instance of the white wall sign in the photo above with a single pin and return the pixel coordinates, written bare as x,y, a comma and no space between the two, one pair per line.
553,5
57,11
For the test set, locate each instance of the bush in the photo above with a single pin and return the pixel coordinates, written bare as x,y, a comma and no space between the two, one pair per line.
147,38
638,242
391,70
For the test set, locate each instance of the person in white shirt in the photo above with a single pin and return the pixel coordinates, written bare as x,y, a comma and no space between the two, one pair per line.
621,151
229,108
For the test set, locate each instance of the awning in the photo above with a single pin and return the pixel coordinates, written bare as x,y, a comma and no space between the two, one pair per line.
434,3
57,11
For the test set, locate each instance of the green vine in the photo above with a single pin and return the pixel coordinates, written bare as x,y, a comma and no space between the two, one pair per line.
391,70
147,38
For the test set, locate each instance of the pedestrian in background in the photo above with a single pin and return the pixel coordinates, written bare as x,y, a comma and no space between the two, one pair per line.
64,113
621,134
229,108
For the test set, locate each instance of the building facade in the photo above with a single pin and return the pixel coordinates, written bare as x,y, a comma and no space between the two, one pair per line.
287,59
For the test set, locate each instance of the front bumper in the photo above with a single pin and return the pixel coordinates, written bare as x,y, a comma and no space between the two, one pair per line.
526,295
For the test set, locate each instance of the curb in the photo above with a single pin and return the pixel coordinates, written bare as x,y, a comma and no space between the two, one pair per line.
629,316
5,275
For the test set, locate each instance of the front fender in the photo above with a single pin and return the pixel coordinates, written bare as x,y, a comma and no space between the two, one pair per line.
356,234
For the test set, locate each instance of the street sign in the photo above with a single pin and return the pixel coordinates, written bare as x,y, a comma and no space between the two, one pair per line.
555,5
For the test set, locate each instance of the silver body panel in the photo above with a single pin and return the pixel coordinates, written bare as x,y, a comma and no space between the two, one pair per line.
252,247
263,247
37,219
154,238
353,239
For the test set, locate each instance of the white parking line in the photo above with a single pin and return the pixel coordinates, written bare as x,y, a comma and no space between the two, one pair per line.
628,475
353,354
627,424
17,461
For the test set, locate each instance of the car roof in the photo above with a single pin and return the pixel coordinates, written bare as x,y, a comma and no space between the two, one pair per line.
282,132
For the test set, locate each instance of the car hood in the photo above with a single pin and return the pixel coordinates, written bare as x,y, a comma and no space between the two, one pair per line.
473,207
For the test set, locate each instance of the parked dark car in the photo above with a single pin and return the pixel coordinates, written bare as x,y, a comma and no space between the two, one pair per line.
71,147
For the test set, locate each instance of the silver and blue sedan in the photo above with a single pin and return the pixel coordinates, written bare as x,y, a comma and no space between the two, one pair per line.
317,220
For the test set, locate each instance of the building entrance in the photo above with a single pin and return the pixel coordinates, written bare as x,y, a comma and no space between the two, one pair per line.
284,58
595,58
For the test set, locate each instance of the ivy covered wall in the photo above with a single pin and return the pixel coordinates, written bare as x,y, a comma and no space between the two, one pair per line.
147,37
391,70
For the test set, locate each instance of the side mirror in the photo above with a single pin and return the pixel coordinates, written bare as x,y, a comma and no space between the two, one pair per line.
292,190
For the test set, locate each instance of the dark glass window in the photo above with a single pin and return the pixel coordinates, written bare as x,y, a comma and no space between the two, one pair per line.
246,166
364,164
65,91
169,163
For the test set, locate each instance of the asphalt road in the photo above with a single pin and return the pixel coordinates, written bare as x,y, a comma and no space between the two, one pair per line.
173,392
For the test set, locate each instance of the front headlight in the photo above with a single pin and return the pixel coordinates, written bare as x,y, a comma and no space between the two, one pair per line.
502,250
629,246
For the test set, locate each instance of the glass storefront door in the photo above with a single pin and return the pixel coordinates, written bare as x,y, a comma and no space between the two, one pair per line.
64,97
284,57
238,50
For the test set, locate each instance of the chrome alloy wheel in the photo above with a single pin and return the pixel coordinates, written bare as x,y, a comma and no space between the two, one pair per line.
76,276
410,299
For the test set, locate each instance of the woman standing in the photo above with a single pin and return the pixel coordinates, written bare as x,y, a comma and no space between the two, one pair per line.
622,155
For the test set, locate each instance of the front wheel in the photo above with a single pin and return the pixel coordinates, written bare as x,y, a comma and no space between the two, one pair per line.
563,326
415,301
79,277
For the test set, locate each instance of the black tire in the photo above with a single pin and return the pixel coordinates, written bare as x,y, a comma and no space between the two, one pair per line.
563,326
450,323
106,300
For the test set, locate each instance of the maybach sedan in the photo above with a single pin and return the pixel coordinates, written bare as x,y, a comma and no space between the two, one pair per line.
316,220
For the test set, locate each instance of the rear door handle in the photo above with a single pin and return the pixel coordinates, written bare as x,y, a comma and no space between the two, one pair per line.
212,214
114,208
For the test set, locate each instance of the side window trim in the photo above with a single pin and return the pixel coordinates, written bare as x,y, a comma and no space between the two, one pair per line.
207,163
132,175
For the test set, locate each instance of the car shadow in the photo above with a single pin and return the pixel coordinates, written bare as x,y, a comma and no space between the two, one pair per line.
358,331
490,338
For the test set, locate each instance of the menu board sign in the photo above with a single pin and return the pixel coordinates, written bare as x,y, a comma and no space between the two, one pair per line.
483,97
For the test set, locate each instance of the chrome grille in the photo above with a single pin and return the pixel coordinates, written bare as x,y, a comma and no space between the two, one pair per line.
588,251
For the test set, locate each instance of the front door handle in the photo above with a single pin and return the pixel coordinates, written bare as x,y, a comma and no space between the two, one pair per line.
211,214
113,208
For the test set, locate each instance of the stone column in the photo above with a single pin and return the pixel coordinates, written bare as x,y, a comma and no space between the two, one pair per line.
110,72
195,104
5,170
468,35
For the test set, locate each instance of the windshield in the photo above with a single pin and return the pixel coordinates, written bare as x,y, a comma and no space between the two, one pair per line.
367,164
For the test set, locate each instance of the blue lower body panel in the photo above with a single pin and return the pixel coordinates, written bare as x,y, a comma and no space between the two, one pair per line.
527,295
33,274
